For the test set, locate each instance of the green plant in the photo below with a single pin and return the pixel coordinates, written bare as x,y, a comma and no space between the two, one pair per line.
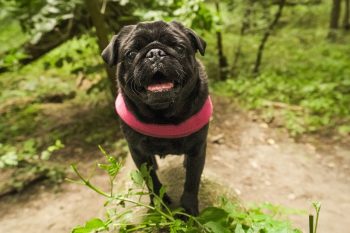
193,13
317,206
13,157
304,78
124,217
306,102
26,164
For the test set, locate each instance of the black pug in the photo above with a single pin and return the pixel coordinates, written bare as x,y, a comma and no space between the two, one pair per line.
163,98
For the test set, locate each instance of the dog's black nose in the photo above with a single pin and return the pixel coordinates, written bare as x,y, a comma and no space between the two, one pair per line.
155,53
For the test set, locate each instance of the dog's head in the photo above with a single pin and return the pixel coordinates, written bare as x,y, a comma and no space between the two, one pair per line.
155,61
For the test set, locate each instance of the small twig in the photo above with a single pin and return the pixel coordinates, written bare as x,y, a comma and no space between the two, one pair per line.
316,223
282,105
266,36
317,207
143,187
74,181
103,8
311,223
149,224
147,206
194,219
111,183
88,184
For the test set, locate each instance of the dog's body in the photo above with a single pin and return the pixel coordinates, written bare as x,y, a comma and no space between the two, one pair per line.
162,83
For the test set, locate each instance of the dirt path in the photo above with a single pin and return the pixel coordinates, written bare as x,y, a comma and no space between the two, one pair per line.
257,162
43,210
264,164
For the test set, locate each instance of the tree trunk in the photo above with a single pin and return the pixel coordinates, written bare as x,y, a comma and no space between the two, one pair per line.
266,37
335,14
334,19
346,22
102,37
221,56
244,27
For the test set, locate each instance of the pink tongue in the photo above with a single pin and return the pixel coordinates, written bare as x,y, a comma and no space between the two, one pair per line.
160,87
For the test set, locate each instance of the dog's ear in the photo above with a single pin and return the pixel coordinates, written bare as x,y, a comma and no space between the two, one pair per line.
197,42
110,53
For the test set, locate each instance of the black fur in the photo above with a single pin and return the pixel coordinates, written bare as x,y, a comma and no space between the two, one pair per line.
127,50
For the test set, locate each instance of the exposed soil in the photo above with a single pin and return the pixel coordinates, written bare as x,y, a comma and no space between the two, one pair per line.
264,164
257,162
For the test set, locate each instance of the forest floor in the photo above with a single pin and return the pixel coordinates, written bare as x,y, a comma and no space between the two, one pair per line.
258,162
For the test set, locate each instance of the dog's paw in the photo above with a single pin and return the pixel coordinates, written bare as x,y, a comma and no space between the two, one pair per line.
167,200
190,203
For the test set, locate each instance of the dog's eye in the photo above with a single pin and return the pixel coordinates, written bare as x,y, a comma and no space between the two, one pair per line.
180,49
131,55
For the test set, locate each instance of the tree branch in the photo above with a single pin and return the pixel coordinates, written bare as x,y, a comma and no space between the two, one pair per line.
266,37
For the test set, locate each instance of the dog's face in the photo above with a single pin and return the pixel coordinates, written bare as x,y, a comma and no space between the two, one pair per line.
155,61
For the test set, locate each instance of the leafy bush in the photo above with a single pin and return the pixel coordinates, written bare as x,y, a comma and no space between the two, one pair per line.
26,165
13,157
79,54
10,29
321,104
54,73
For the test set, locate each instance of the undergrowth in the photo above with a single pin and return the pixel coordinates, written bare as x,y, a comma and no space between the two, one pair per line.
55,72
304,79
25,164
308,86
29,95
128,212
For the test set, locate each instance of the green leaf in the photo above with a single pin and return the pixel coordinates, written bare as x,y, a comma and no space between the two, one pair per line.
344,130
113,166
45,155
156,202
239,228
95,223
162,192
216,227
91,226
29,146
145,172
9,159
212,214
137,178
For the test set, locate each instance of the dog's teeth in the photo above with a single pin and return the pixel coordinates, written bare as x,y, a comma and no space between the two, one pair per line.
160,87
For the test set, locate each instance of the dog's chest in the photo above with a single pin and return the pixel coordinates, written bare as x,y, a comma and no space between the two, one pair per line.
164,147
151,145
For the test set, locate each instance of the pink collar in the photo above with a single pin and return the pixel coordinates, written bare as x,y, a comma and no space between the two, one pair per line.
183,129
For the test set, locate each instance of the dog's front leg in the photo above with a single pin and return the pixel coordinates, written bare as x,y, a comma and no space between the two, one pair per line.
147,159
194,167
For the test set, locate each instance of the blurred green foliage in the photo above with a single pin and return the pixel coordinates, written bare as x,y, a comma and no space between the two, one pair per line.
38,16
26,165
12,156
301,68
10,29
193,13
54,72
304,81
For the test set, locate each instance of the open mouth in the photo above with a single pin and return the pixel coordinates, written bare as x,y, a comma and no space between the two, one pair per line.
160,83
